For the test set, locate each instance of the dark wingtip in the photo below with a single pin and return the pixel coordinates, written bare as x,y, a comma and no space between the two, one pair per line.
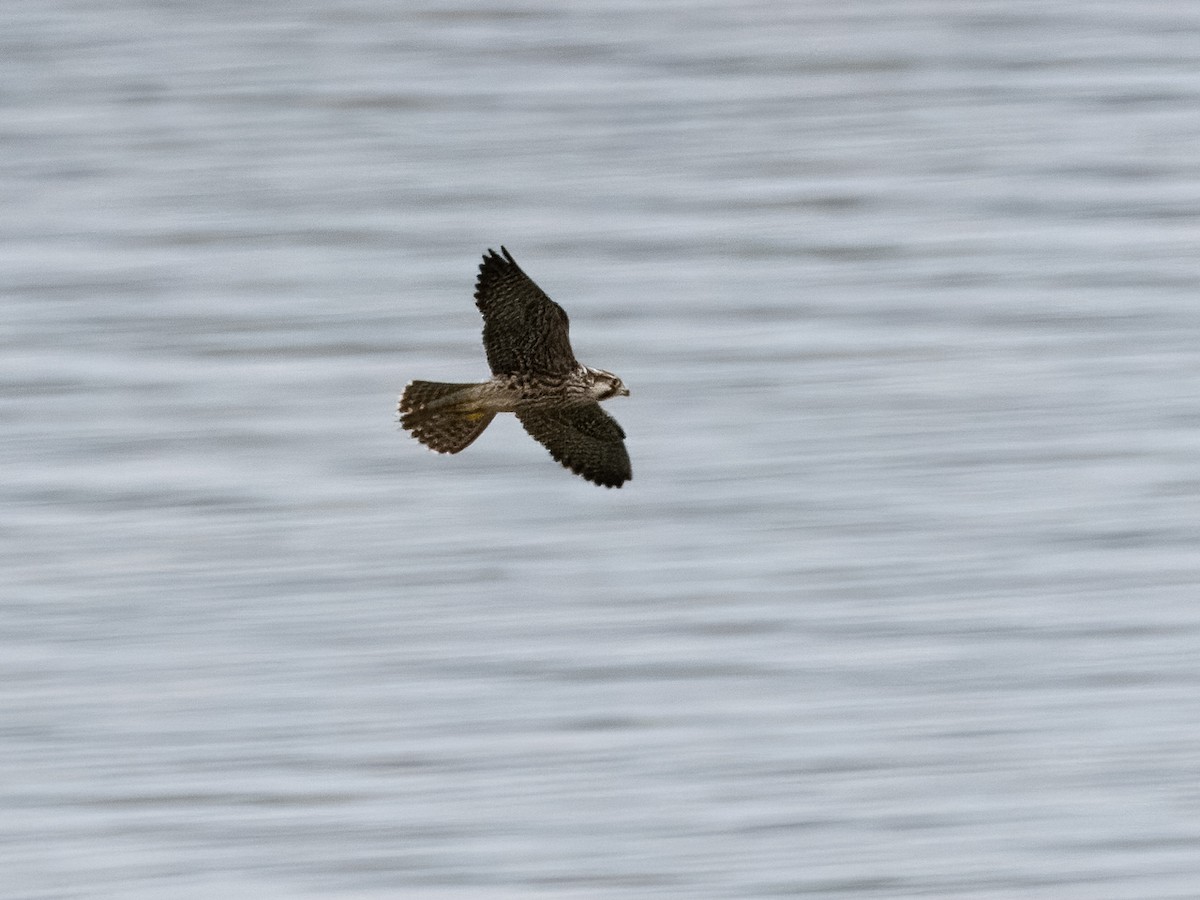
491,258
605,480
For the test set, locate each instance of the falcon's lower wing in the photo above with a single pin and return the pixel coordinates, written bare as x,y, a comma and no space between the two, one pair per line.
585,439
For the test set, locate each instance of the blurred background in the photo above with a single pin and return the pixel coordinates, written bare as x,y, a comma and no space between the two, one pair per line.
902,598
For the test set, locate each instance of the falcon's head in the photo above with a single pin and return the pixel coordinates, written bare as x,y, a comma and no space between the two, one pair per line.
605,385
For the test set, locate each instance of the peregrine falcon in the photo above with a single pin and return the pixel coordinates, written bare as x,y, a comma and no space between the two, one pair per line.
534,374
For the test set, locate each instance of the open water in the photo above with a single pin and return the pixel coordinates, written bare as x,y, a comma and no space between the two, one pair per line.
902,601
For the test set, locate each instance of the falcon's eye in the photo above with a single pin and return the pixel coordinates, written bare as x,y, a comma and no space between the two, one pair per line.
612,387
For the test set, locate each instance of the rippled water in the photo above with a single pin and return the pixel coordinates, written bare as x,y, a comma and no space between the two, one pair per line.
902,599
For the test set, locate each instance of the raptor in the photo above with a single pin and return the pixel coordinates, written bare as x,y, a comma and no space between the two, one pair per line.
534,375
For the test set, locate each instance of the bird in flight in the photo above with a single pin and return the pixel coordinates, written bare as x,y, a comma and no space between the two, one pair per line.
534,374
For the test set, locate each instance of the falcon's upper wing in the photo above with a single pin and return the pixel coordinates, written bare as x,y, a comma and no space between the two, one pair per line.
585,439
523,329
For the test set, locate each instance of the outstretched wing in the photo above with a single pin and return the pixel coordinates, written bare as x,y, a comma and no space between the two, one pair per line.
524,331
585,439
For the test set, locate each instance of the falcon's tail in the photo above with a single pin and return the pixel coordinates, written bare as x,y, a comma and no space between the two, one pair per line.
442,416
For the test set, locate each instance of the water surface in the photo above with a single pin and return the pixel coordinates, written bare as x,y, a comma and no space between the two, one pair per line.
900,602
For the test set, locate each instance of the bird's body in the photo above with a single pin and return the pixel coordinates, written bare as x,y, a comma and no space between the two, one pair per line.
534,375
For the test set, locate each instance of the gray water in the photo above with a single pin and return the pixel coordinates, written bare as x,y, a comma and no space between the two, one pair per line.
902,600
